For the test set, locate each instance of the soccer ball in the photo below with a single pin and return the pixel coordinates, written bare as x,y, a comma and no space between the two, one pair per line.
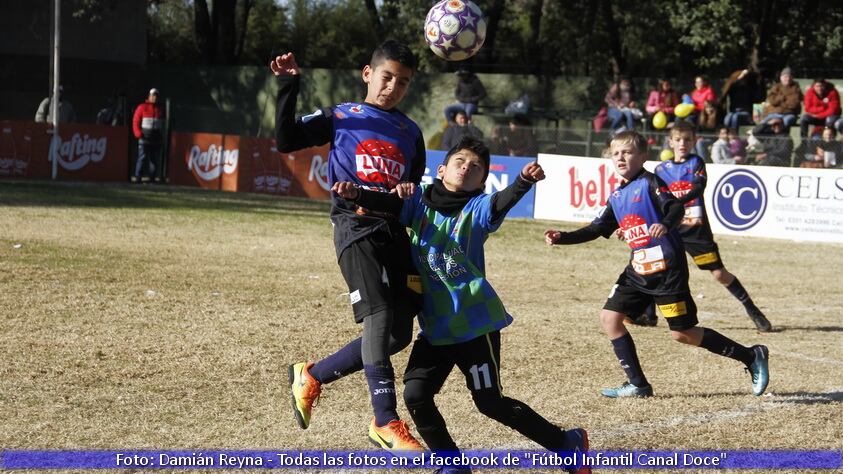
455,29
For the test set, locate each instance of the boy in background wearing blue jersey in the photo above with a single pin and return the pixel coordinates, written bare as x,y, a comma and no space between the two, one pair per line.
648,214
375,145
462,315
686,178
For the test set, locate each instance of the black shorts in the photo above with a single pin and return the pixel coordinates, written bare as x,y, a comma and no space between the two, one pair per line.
478,360
679,310
380,275
706,255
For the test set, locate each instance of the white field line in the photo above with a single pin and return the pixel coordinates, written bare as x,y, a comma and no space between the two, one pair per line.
796,355
768,402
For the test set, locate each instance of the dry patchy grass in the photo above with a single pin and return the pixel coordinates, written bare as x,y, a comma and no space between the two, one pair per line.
165,317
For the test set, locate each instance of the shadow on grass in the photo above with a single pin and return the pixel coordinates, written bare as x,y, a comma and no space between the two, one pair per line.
811,328
124,195
807,398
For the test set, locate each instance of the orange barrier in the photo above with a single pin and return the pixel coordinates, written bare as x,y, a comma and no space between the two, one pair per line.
247,164
85,152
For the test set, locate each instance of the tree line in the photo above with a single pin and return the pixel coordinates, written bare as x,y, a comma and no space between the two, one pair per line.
608,38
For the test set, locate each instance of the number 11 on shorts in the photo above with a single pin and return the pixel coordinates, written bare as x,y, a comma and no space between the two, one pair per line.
475,375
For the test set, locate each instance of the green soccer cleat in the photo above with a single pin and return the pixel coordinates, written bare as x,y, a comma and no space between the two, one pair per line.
759,370
305,390
627,390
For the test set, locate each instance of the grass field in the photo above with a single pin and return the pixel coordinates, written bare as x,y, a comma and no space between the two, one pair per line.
161,317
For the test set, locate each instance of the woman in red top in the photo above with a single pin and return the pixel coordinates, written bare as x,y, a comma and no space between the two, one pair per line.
701,93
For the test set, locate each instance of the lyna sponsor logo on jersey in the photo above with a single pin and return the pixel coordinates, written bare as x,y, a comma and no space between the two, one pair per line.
210,164
76,153
379,161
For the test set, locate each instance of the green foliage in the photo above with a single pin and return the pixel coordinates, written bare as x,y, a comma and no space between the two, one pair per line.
674,38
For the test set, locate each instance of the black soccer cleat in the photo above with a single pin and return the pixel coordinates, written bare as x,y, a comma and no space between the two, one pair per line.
759,319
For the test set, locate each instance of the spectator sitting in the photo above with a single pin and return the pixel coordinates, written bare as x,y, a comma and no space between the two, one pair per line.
662,99
737,146
708,121
824,153
66,112
822,106
469,92
518,139
784,100
741,91
777,144
461,127
701,94
721,152
621,109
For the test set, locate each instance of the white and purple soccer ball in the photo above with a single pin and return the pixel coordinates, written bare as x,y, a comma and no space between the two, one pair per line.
455,29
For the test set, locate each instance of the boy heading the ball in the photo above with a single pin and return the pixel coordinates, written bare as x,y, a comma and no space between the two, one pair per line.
462,315
373,145
686,178
648,215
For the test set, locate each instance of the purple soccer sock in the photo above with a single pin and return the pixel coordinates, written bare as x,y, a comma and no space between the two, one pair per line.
381,382
347,360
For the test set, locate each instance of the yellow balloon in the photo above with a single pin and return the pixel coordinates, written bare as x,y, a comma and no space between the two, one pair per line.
660,120
666,154
683,110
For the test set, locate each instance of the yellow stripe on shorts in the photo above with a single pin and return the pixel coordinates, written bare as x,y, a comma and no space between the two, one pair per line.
414,283
706,258
673,310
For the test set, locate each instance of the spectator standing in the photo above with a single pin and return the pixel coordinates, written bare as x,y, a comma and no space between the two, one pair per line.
776,144
66,112
148,125
741,91
822,106
662,99
469,92
622,110
784,100
461,127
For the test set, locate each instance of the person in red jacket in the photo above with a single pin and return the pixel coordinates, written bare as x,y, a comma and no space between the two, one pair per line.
822,106
702,92
148,126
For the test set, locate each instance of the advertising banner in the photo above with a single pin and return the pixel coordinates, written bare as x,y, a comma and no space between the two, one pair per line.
502,172
207,160
85,152
761,201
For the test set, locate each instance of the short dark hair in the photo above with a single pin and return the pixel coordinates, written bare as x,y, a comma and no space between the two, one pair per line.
392,50
683,126
475,146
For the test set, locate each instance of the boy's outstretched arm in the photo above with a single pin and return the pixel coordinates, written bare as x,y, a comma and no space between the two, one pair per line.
374,200
291,134
506,199
603,226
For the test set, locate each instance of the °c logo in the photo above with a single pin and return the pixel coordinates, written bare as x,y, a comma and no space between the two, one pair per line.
740,199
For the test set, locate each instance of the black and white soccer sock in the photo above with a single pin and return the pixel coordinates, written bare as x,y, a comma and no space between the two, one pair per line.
719,344
738,291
